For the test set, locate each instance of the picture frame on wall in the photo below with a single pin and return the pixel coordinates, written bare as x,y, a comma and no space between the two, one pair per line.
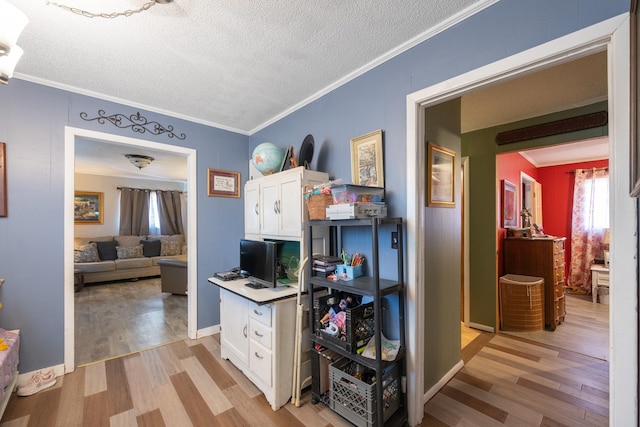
509,204
3,179
88,207
367,162
221,183
440,176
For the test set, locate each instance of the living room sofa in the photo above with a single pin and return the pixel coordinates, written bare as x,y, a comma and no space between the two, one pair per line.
106,258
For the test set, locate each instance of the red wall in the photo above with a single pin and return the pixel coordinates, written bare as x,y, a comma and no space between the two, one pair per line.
509,166
557,200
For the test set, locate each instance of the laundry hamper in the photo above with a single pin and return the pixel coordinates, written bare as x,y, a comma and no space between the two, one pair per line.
521,303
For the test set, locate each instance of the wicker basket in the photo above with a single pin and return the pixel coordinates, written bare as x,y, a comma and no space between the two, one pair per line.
317,203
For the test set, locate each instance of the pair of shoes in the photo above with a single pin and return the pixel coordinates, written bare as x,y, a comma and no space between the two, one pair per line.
38,381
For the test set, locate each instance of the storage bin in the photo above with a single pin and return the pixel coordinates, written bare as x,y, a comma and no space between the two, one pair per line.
521,303
603,295
359,324
355,399
352,271
349,193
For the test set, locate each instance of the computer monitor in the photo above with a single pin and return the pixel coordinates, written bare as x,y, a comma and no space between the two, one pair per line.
259,261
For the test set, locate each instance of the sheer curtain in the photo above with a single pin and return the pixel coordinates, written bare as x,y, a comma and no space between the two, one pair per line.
134,212
169,208
589,219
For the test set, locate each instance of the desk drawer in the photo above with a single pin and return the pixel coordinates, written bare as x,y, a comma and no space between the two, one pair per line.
261,313
260,362
260,333
603,279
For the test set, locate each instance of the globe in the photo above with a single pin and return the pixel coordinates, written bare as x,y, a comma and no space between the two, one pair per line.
267,158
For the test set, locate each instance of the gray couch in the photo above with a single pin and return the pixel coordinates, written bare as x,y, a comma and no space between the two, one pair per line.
106,258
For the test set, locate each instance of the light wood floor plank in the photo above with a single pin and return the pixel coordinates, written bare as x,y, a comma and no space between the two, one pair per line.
194,404
117,386
95,378
155,366
213,368
124,419
247,407
207,387
139,385
171,407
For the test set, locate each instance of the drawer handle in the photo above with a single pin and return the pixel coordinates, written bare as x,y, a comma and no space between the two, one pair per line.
244,331
257,355
259,313
255,209
258,334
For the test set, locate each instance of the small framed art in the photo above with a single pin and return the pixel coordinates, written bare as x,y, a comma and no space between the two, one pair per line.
440,176
88,207
222,183
509,204
367,162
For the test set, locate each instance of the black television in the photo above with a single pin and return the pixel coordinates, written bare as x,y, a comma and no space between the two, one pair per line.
259,263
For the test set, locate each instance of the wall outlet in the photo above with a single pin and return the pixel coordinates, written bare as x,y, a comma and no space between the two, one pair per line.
394,240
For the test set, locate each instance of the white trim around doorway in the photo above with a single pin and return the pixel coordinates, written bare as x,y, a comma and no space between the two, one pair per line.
611,35
71,134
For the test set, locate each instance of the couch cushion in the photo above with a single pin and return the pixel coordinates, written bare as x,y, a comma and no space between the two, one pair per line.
170,247
151,248
127,241
96,267
126,252
107,250
122,264
86,253
81,241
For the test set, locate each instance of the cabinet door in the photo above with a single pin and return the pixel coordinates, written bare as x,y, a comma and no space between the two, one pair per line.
290,206
252,208
234,318
269,204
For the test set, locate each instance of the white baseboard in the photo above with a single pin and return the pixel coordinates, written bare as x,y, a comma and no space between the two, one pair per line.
211,330
443,381
482,327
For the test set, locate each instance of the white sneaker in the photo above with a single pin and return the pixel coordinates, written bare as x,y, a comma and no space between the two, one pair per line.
39,381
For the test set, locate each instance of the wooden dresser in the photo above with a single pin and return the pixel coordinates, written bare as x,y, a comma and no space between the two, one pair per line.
540,257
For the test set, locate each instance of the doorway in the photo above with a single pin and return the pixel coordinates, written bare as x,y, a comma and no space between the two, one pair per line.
612,36
71,134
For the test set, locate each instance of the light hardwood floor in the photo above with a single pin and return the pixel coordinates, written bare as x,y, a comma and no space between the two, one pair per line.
506,380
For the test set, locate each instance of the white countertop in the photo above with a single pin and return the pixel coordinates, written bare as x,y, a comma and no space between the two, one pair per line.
259,296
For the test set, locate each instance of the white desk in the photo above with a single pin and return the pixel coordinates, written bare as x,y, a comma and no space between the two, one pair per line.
599,278
259,296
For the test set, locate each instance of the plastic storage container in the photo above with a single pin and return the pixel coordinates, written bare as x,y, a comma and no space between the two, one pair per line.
521,303
603,295
350,193
359,325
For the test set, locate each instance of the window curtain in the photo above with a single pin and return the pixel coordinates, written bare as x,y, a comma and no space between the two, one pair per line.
170,211
134,212
590,217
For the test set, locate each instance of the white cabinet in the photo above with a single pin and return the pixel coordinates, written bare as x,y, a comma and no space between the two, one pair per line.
275,205
259,339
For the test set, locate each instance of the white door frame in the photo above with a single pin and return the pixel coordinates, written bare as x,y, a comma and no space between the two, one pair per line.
71,134
611,35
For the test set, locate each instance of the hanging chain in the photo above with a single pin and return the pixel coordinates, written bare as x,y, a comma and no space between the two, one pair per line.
111,15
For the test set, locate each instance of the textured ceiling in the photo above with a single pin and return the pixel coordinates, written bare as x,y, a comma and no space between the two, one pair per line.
234,64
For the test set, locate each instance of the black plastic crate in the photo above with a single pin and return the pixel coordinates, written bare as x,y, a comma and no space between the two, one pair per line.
359,325
355,398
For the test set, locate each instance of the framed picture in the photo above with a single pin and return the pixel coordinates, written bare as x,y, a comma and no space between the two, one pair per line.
367,163
509,204
88,208
440,176
634,157
223,183
3,179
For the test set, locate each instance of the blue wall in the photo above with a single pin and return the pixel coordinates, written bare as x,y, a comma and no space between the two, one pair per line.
32,120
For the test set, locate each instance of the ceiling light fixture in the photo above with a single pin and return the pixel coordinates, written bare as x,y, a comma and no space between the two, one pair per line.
139,161
12,22
111,15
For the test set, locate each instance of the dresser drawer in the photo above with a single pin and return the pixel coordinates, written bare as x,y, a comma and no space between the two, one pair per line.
558,260
260,362
559,290
558,246
558,274
260,332
602,279
261,313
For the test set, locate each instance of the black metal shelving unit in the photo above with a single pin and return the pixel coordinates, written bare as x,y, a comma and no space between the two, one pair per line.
371,286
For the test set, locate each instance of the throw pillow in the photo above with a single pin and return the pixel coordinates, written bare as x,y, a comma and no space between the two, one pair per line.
86,253
169,247
151,247
126,252
107,250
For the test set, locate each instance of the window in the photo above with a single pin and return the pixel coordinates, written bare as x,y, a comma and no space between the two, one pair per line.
596,211
154,218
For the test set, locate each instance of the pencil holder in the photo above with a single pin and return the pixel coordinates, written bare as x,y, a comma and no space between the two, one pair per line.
353,271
